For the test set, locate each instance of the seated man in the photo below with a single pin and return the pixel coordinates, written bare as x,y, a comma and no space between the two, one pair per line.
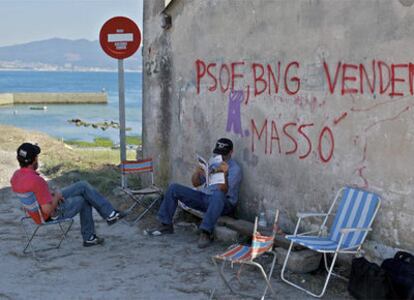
77,198
214,200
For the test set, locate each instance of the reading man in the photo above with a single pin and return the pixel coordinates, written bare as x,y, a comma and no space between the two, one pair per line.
214,200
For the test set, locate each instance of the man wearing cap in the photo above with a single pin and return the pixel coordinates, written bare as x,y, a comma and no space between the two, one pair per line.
79,197
214,200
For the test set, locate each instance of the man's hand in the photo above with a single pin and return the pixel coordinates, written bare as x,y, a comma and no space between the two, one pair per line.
57,197
195,179
224,167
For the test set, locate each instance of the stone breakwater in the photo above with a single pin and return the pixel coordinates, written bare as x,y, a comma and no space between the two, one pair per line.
53,98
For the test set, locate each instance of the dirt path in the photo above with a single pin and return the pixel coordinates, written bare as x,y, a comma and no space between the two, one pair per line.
129,265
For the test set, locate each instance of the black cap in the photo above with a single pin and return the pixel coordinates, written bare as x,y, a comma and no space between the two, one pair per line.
223,146
26,153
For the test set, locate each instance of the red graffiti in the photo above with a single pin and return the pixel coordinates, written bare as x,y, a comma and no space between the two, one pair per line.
340,118
407,108
295,136
378,77
326,133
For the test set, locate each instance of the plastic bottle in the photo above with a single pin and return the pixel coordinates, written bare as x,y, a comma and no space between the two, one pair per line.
262,216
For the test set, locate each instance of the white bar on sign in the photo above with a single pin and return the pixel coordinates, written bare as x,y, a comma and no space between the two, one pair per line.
120,37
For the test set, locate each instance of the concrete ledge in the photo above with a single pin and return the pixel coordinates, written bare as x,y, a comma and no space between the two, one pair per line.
56,98
6,99
303,261
224,234
53,98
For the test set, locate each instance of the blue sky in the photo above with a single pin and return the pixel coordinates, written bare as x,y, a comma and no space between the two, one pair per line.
24,21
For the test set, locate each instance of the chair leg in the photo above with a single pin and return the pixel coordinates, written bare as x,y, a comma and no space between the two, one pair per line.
282,275
29,240
64,232
265,276
146,210
269,276
223,277
333,273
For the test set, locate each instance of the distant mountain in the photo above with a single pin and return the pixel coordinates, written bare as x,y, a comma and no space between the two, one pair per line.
63,54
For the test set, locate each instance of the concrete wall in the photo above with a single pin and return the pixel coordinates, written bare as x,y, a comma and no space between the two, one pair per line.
59,98
323,97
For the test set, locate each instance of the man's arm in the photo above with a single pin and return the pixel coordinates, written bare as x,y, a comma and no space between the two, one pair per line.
197,177
49,208
224,167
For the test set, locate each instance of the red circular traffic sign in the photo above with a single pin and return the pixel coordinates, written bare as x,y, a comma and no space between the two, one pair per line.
120,37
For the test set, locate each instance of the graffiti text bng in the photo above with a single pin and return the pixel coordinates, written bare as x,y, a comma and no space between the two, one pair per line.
375,78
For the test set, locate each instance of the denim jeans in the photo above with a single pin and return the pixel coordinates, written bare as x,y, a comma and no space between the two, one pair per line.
80,197
214,205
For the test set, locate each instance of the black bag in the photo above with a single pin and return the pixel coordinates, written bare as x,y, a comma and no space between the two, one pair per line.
401,271
369,281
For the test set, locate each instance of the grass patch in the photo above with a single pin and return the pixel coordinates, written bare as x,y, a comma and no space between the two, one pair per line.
104,142
133,140
97,142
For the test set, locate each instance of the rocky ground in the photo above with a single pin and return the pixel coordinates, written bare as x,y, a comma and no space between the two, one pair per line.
129,265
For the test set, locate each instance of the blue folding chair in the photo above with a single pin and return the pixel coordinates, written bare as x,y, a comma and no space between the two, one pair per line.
34,216
353,220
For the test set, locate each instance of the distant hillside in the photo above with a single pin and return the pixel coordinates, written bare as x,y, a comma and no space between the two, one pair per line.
62,54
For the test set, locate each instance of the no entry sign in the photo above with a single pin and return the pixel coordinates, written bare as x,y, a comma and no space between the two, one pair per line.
120,37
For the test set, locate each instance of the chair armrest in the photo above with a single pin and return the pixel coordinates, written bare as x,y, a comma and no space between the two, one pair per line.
307,215
351,229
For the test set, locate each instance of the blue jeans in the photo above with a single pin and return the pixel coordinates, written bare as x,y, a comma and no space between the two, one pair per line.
214,205
80,197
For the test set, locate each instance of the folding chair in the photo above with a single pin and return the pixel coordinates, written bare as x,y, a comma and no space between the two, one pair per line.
141,167
34,216
353,219
245,255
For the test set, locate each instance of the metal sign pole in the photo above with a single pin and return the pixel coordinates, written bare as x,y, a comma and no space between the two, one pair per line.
121,86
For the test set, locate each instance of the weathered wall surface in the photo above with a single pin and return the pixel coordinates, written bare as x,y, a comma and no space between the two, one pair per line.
315,94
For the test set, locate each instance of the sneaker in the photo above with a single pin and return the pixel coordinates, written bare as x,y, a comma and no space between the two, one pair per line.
160,230
115,216
93,241
204,240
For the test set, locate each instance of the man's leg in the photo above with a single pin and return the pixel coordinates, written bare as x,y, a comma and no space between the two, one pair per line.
175,192
91,195
216,206
74,205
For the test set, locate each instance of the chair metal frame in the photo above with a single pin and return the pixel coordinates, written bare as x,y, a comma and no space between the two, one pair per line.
343,232
260,244
29,204
138,167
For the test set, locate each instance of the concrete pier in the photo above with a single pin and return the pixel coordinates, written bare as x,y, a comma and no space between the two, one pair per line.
53,98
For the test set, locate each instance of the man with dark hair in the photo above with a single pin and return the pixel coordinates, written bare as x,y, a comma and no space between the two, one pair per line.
214,200
79,197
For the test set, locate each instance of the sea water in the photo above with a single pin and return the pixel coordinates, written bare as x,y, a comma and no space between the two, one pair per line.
54,119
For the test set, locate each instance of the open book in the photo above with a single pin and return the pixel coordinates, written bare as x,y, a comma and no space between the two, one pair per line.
210,167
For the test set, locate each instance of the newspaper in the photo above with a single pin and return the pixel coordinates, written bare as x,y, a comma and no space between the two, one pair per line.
209,167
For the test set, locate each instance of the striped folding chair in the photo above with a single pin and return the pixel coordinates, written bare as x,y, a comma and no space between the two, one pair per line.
33,214
246,255
145,197
353,220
